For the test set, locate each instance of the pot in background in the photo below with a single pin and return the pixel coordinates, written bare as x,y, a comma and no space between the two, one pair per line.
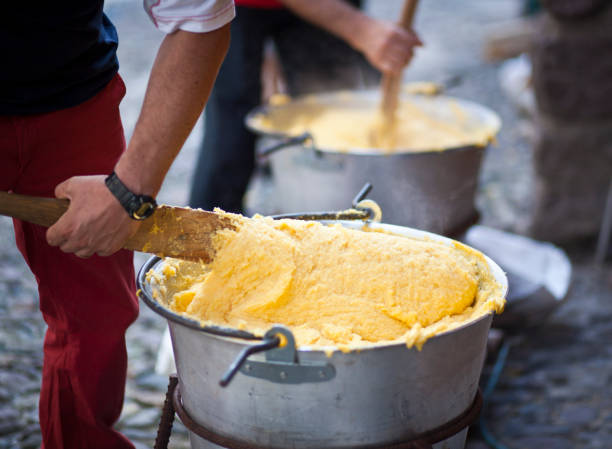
431,190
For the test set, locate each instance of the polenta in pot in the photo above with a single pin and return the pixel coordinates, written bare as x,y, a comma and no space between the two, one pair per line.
333,286
351,121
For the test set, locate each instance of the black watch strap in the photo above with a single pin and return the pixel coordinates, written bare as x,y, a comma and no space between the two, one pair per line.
138,207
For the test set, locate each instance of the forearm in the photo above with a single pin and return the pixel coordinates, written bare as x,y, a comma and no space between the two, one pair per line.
180,83
335,16
385,45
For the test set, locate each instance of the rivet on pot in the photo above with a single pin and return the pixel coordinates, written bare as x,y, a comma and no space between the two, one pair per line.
283,375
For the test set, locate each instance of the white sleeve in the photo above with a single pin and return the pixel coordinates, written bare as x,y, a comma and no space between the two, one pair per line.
198,16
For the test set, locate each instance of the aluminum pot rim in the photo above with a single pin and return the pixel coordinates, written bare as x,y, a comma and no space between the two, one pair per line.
373,152
243,337
492,117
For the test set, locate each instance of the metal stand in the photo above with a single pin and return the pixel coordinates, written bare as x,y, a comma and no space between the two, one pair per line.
173,404
167,418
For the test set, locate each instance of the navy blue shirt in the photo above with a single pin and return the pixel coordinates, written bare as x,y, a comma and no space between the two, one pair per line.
54,54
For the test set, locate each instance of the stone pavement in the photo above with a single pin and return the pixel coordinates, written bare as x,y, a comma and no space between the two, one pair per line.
553,391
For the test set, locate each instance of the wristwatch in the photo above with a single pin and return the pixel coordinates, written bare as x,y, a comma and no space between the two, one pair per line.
138,207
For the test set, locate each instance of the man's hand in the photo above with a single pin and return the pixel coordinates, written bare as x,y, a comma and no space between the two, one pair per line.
387,46
95,222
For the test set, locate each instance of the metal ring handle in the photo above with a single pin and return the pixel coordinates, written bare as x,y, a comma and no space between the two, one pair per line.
359,211
265,345
288,142
363,193
350,214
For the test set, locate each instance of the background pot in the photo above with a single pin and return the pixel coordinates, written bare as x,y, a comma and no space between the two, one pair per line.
430,190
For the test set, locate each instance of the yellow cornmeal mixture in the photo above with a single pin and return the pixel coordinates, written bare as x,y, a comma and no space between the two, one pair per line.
333,286
342,127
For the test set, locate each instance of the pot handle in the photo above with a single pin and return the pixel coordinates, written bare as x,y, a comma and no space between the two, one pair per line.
285,143
266,344
282,364
362,209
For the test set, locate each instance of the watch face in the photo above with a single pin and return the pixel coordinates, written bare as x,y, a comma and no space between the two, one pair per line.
144,210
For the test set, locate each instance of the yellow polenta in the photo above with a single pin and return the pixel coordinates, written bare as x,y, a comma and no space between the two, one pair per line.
333,286
342,126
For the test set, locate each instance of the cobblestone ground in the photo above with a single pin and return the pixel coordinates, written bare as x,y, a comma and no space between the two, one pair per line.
554,389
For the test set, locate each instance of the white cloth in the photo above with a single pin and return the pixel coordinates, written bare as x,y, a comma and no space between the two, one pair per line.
165,364
198,16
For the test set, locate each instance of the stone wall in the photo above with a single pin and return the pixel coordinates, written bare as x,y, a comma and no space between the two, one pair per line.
572,76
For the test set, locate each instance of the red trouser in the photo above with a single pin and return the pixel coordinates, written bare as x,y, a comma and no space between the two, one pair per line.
87,303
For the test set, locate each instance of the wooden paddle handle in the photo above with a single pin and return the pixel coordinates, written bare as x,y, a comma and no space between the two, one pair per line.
37,210
408,14
171,231
391,83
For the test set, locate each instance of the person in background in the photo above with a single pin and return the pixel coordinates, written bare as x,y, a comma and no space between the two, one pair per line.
61,135
322,45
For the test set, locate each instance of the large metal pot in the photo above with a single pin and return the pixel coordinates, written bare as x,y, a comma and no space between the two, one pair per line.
365,398
430,190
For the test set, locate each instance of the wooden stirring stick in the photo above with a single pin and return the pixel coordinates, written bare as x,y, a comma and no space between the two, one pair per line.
391,83
171,231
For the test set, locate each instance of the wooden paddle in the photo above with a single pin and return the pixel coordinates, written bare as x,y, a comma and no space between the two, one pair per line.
171,231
